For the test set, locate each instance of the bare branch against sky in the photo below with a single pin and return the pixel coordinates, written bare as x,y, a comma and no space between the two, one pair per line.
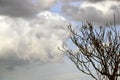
97,51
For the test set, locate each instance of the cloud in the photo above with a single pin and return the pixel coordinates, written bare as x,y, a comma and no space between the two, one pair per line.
100,12
37,40
24,8
94,1
69,1
53,71
11,61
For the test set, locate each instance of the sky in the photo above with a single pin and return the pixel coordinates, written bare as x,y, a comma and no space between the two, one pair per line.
32,30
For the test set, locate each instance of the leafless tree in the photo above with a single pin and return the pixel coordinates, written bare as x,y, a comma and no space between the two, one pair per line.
98,51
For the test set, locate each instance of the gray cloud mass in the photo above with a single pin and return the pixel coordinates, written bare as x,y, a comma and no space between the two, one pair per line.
24,8
100,12
94,1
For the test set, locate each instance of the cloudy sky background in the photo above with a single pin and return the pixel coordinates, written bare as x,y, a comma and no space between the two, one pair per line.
32,30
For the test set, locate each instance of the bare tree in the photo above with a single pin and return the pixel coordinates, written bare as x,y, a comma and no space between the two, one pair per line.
98,53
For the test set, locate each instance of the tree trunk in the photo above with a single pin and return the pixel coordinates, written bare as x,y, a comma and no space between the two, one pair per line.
112,78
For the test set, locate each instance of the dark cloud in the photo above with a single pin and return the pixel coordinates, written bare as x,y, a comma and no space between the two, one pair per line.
23,8
95,0
69,1
11,61
17,8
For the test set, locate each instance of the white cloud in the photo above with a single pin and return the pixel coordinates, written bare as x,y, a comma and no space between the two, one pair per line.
100,12
36,39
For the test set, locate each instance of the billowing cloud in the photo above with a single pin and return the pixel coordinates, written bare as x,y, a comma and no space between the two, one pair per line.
24,8
22,41
100,12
